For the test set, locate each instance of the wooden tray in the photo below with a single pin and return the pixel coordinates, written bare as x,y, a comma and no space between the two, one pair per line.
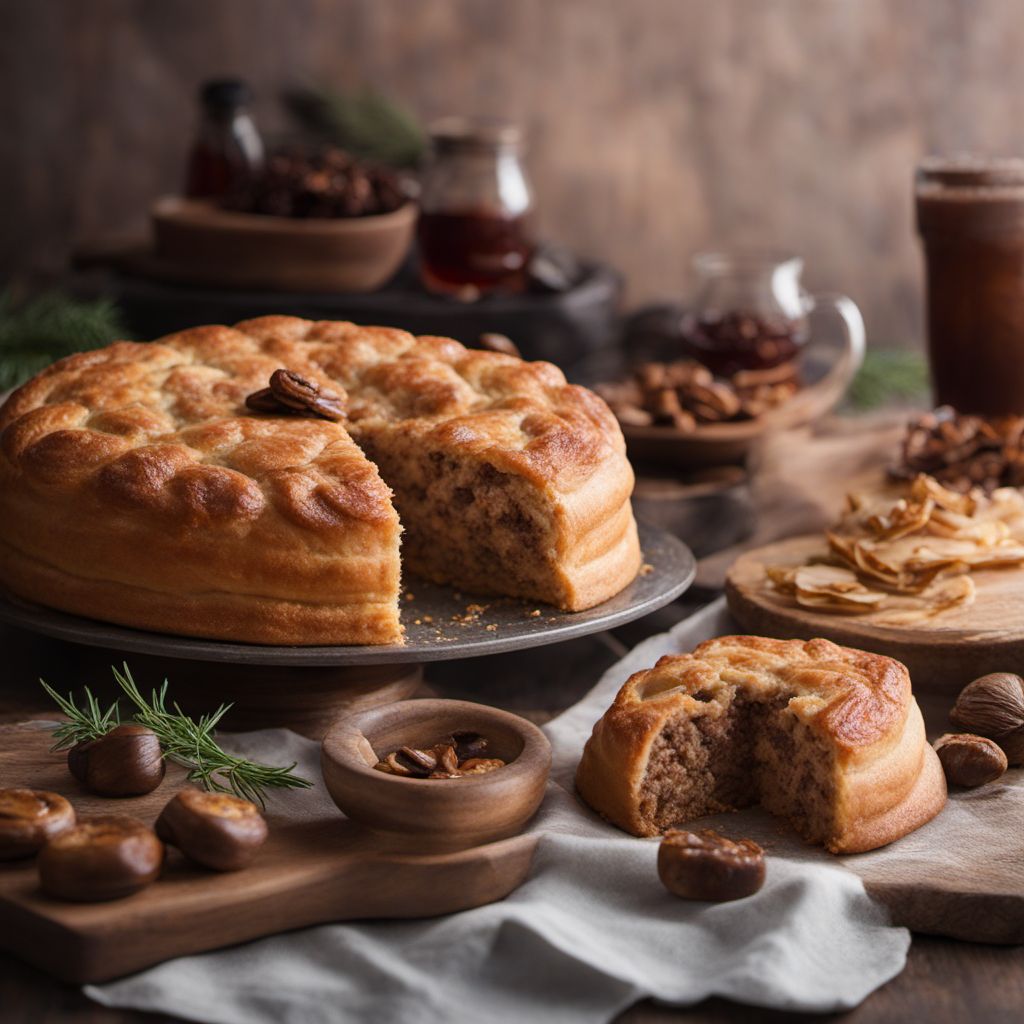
943,653
316,867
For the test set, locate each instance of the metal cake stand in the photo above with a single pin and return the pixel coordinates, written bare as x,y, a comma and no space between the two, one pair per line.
306,687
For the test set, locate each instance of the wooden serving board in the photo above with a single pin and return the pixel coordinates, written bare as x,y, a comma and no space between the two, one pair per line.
943,653
315,867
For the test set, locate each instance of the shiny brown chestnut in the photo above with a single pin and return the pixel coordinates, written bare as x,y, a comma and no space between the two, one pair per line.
101,858
214,829
127,761
29,818
707,866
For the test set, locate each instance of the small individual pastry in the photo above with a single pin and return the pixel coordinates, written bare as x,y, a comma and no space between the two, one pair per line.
827,737
29,818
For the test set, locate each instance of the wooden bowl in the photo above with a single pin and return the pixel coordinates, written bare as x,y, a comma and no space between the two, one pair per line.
436,814
199,243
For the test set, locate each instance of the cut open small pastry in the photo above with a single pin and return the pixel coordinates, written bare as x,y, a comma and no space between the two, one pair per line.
827,737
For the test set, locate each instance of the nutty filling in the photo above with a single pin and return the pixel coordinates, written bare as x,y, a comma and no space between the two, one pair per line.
468,524
740,752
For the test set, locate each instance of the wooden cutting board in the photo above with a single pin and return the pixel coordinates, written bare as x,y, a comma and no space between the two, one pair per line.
315,867
943,653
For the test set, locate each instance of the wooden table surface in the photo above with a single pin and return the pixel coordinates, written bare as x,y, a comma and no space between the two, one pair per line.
944,981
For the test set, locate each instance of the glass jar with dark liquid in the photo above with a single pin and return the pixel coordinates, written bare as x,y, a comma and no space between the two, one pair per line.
473,228
970,215
228,150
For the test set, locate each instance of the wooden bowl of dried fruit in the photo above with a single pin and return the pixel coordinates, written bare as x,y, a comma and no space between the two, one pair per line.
679,413
197,242
437,774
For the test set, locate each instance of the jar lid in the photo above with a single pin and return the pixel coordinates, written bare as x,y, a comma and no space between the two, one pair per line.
474,133
970,171
225,94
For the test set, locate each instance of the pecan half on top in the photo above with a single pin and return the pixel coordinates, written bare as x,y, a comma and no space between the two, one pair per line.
292,394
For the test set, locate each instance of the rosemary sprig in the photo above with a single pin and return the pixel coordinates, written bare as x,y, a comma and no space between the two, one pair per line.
191,744
187,742
88,723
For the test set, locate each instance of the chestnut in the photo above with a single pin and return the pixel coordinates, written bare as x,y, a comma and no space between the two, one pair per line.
29,818
101,858
127,761
707,866
213,829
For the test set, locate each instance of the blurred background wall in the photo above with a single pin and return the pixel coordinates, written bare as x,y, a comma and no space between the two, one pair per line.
656,127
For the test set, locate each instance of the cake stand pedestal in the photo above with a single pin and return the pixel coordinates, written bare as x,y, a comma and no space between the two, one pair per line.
306,688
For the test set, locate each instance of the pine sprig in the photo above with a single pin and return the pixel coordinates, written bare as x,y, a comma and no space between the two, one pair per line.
366,123
889,376
183,740
191,743
42,329
88,723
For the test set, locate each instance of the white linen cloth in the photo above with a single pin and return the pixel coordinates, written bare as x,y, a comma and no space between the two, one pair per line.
589,933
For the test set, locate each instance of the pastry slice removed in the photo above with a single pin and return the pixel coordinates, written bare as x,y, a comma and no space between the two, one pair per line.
827,737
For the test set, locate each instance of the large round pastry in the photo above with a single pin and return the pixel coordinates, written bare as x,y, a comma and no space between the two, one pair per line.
827,737
137,487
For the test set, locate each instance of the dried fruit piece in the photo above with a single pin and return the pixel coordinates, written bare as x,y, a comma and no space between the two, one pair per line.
970,760
469,744
826,586
707,866
447,759
480,765
459,755
424,760
963,452
912,556
685,394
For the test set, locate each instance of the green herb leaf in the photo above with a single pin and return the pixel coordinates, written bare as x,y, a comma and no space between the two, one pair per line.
88,723
191,744
889,375
187,742
40,330
366,123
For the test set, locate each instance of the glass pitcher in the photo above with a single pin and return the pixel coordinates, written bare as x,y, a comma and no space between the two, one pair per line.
750,312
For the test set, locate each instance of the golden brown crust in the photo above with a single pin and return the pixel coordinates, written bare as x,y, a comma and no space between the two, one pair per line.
135,485
859,704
